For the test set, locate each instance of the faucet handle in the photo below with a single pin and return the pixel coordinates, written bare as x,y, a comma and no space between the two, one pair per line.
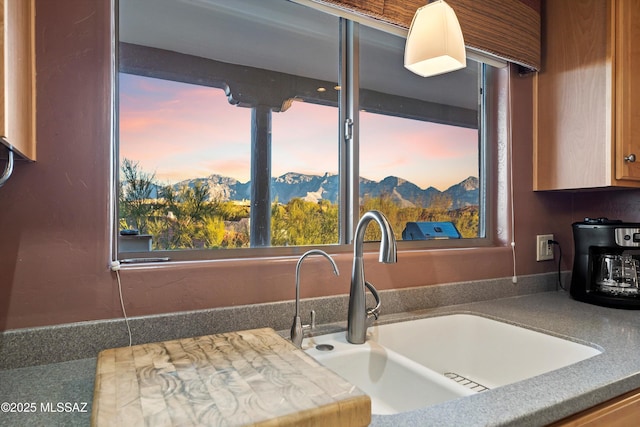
311,326
373,313
297,329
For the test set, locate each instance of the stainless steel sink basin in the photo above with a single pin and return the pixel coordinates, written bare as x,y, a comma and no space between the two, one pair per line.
408,365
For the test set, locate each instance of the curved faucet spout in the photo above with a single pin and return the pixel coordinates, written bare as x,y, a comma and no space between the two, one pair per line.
358,317
388,251
296,327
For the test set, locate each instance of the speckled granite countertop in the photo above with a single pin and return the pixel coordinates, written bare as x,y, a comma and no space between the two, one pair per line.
34,394
534,402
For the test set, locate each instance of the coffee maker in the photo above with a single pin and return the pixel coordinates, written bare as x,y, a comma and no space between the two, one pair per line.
606,263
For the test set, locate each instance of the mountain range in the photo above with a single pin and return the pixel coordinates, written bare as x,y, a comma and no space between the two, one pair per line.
325,187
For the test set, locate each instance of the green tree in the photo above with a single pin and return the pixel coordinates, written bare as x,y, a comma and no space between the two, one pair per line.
467,222
135,203
303,223
330,215
186,212
389,208
196,202
214,231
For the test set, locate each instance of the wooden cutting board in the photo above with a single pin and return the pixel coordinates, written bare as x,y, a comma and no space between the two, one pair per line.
253,377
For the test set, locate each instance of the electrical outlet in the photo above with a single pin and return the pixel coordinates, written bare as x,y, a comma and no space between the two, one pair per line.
544,249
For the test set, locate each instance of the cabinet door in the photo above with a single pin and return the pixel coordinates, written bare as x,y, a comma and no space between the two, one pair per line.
573,110
623,411
17,74
627,64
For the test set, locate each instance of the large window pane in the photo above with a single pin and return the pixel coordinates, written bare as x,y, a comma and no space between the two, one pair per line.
305,192
228,118
184,156
419,143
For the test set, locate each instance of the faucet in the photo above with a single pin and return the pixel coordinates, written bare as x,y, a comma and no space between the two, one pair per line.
297,328
359,317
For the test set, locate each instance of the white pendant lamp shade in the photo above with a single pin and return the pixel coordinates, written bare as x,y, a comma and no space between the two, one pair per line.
435,44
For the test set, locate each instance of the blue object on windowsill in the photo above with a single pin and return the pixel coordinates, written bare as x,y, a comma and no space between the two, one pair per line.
430,231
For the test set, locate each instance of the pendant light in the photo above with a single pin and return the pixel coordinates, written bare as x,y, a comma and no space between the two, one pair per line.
434,44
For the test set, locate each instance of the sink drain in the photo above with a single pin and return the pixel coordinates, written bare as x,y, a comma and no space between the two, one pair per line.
324,347
472,385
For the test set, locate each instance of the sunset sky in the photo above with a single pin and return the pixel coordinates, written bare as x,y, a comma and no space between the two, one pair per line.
184,131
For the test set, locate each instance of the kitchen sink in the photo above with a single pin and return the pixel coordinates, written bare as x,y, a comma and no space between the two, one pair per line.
413,364
393,382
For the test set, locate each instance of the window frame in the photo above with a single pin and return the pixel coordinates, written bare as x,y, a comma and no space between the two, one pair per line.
348,161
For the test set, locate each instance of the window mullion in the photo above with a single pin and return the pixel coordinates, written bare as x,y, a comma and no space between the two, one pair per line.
349,130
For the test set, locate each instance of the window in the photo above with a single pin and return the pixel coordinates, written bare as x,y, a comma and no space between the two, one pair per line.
232,117
419,143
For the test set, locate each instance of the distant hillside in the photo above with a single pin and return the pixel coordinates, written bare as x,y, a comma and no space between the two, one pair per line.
325,187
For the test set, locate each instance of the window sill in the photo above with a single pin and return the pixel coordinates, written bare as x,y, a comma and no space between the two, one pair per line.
202,258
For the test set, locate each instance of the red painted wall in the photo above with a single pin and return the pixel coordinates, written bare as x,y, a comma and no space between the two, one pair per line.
54,239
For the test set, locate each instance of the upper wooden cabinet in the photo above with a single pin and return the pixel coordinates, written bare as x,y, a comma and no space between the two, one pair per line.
587,112
17,72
